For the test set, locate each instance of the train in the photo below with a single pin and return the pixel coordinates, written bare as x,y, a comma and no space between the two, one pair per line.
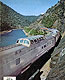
29,40
18,59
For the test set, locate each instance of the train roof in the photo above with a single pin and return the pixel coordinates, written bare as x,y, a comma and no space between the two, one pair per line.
32,37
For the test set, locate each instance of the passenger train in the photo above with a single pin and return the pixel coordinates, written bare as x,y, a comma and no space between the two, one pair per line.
15,60
29,40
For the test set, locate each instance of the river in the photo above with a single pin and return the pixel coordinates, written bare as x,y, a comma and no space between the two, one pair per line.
11,37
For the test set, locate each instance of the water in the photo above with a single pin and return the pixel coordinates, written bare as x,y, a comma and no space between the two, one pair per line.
11,38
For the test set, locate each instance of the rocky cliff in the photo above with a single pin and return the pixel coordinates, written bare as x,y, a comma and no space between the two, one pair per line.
58,62
58,56
11,19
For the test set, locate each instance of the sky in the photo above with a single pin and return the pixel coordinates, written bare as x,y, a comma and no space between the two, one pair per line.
30,7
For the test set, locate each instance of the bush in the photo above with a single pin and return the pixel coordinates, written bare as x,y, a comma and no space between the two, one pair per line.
27,29
31,31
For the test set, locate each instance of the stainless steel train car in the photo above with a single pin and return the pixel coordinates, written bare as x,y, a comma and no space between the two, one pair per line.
15,60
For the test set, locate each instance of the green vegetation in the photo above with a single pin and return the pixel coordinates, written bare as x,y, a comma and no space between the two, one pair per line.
54,16
36,32
31,18
32,31
48,21
27,29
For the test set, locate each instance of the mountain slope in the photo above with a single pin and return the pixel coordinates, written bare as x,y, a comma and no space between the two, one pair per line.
54,17
12,19
31,18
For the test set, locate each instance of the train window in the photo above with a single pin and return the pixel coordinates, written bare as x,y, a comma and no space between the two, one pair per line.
31,41
38,40
26,42
56,31
21,41
35,40
44,46
17,41
41,38
17,61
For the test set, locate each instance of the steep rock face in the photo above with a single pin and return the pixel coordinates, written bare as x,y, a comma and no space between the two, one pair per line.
11,19
58,62
58,72
58,56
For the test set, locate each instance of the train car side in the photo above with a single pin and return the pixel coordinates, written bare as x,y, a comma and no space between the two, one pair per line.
14,61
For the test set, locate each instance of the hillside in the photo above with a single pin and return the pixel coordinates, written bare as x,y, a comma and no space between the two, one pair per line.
31,18
11,19
53,18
